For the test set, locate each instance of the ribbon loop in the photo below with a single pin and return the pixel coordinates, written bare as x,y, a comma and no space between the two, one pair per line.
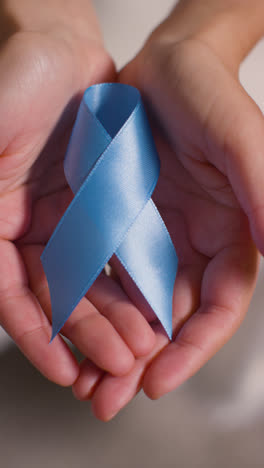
112,167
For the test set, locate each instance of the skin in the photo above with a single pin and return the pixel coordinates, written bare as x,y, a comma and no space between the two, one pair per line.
44,68
210,192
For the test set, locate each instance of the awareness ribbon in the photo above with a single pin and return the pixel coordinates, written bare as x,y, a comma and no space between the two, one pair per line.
112,167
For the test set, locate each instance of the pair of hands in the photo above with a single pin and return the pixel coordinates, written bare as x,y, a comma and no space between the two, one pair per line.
210,138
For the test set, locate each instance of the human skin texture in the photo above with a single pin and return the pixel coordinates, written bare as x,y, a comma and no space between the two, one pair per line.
210,138
50,53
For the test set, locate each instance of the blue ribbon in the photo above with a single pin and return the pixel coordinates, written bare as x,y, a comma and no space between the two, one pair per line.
112,167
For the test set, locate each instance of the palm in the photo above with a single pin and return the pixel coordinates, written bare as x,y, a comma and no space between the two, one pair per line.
195,130
211,236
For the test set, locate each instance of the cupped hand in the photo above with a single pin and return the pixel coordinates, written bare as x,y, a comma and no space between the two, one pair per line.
42,78
210,138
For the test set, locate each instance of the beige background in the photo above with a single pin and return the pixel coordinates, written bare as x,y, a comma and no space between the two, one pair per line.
214,420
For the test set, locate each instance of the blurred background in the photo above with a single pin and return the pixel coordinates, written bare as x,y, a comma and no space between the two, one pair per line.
216,419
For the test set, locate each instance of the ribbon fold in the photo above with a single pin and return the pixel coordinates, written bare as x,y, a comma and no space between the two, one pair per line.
112,167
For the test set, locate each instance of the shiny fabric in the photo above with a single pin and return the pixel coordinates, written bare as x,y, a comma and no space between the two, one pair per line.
112,167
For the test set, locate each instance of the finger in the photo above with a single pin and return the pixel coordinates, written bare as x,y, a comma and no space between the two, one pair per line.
91,332
22,317
233,135
113,393
120,391
90,376
131,290
233,130
227,288
109,394
244,148
109,298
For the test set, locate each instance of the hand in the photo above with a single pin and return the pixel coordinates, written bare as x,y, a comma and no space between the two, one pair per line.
43,74
210,137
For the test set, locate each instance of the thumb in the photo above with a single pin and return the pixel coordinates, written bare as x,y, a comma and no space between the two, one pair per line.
243,151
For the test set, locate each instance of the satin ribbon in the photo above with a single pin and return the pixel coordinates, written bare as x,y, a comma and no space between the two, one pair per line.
112,167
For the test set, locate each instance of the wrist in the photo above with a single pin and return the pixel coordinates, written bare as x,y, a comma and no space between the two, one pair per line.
229,27
70,19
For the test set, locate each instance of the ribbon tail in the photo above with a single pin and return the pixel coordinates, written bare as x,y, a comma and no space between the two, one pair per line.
148,255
